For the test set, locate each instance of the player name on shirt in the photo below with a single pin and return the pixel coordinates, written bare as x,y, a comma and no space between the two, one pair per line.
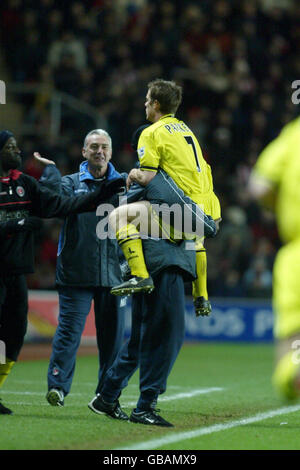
177,127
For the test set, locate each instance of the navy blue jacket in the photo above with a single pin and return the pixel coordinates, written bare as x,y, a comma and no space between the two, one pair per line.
82,259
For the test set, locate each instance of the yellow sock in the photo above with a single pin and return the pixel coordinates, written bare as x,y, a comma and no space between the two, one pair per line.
200,284
5,370
130,241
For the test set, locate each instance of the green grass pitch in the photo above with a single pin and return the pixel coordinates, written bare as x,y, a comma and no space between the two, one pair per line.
211,388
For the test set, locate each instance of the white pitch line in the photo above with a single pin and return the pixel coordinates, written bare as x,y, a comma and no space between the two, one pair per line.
178,396
166,398
82,405
83,384
182,436
10,392
41,394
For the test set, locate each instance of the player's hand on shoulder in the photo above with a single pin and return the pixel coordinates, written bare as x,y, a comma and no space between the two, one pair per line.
131,178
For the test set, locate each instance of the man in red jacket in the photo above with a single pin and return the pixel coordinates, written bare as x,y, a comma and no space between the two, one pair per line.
22,202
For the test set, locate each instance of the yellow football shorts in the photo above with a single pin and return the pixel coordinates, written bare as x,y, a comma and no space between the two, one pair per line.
209,204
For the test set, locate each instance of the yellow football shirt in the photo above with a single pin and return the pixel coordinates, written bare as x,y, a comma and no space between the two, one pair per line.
170,144
279,163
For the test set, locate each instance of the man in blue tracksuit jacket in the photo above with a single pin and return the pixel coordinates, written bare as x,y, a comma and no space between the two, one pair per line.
87,268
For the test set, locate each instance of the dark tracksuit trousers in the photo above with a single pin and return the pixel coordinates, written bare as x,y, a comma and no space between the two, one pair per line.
13,313
157,334
74,306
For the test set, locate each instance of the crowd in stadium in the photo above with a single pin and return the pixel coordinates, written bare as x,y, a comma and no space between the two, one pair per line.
236,61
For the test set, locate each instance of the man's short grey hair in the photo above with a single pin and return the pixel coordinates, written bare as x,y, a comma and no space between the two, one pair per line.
98,132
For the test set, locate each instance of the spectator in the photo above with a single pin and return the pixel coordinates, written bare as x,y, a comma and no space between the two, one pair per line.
67,45
258,279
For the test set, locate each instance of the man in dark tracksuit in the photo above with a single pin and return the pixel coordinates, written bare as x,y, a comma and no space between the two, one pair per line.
156,337
22,202
157,330
87,268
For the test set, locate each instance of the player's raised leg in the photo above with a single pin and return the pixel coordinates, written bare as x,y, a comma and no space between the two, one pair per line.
130,222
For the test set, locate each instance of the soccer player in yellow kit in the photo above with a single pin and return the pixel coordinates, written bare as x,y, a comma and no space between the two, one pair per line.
167,146
275,180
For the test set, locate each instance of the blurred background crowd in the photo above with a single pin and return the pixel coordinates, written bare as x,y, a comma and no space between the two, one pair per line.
236,61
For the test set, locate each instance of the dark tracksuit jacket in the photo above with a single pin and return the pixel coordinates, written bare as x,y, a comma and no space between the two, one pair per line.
21,196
